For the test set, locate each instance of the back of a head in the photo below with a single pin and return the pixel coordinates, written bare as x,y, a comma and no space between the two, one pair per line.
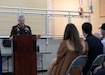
87,28
71,33
102,30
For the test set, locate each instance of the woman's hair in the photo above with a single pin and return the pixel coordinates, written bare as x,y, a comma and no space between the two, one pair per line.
72,34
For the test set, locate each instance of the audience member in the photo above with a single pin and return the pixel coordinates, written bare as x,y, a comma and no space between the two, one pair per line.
97,35
100,70
0,63
103,36
70,47
94,44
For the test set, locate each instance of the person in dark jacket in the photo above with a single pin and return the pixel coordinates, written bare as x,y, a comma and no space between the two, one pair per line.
0,63
100,70
95,46
20,28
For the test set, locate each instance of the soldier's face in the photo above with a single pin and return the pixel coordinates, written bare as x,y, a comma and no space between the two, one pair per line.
21,20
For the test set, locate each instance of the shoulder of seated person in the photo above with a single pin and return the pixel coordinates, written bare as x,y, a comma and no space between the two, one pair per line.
69,45
103,40
82,40
63,41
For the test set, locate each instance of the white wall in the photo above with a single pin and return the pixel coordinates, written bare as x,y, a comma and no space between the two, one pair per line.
73,5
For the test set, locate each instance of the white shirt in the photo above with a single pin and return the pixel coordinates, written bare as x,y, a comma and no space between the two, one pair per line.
103,42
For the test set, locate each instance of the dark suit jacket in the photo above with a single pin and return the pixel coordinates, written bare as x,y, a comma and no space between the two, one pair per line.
0,63
17,30
95,48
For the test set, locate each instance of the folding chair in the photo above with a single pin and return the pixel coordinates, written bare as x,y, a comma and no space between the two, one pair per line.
79,61
98,61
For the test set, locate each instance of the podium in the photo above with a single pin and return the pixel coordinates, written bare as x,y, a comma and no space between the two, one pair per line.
24,49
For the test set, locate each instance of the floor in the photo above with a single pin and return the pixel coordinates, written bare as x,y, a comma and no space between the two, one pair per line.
44,73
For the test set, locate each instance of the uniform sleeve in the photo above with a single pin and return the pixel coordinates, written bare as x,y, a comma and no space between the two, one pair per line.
12,32
61,51
30,30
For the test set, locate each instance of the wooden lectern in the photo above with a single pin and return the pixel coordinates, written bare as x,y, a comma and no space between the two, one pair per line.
24,49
